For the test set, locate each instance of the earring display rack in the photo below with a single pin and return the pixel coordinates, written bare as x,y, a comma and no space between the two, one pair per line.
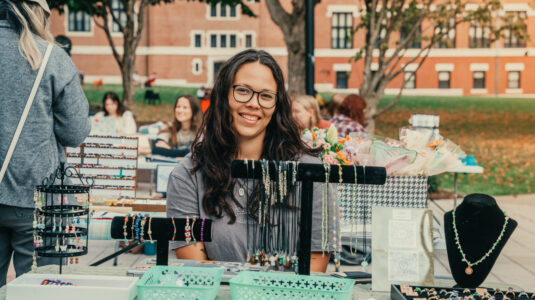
307,174
61,217
111,161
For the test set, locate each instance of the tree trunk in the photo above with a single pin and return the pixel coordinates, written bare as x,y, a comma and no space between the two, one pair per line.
371,110
296,64
129,61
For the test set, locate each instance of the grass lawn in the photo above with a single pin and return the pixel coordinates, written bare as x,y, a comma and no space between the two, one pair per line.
499,132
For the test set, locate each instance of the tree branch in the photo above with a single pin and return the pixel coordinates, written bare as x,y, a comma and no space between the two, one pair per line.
279,15
106,30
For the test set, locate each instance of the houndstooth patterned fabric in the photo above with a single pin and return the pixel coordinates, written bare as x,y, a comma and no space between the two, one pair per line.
398,191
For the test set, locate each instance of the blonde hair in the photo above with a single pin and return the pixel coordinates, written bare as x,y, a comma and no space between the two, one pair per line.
309,103
32,20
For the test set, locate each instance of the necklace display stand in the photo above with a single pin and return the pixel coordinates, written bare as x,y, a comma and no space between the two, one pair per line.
308,174
162,233
479,222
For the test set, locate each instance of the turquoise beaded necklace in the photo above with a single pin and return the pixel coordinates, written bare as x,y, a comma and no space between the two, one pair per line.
469,269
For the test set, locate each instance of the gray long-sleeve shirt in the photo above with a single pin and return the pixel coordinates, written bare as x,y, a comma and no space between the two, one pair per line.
57,118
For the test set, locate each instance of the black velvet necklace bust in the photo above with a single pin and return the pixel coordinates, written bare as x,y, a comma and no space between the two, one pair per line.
479,222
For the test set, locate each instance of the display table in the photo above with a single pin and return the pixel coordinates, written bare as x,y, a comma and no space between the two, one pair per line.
463,169
143,163
360,291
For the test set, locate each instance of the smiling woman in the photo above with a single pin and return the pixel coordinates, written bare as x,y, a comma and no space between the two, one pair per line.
249,118
175,140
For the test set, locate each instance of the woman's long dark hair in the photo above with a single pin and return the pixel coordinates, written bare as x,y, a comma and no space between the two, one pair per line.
216,143
113,96
196,118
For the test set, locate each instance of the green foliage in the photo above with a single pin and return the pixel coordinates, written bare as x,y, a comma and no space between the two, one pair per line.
168,94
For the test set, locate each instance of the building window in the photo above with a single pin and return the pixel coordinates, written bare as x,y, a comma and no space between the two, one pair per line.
479,80
248,41
448,35
232,11
232,41
223,11
444,79
79,22
479,36
405,30
213,10
117,9
410,80
223,41
213,40
342,25
513,80
341,80
198,41
511,38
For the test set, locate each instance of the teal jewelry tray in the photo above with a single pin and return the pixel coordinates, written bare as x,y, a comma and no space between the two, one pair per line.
164,282
260,285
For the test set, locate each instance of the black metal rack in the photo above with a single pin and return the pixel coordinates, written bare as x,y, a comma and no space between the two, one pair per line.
62,219
309,173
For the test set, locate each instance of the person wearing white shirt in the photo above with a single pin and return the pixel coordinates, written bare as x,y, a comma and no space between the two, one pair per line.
113,109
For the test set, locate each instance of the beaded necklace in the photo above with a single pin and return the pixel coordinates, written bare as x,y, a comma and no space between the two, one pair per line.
469,269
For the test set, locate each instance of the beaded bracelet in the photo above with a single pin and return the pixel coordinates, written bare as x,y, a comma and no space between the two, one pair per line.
125,233
192,229
133,223
54,282
142,229
202,229
150,230
187,231
136,228
174,229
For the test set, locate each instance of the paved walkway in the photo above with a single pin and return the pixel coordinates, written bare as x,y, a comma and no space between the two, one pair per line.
515,266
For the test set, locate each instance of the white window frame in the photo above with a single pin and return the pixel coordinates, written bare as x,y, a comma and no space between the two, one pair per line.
194,62
112,23
193,33
407,74
219,33
218,13
89,33
253,38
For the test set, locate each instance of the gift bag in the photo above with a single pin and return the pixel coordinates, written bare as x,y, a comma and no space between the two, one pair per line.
398,191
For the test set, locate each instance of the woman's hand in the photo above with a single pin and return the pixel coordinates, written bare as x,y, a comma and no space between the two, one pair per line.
162,144
194,251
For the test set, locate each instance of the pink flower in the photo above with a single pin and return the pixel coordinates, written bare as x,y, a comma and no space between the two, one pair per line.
330,158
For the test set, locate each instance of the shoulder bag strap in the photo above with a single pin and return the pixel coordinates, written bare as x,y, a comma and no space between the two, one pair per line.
25,112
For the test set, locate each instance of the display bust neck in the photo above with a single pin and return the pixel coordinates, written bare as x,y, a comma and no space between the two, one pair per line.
479,222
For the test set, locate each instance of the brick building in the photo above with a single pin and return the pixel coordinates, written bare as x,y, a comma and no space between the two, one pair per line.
186,42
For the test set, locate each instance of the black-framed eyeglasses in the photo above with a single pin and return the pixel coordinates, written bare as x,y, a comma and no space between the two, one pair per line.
244,94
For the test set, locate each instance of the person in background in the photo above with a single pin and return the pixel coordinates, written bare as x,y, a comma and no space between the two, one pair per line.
205,100
200,93
350,117
332,106
114,109
136,79
58,118
175,140
150,81
306,112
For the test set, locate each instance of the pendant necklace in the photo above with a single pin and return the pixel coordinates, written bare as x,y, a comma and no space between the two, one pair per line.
469,270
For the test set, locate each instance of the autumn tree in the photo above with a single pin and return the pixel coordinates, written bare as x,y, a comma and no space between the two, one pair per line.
393,27
130,26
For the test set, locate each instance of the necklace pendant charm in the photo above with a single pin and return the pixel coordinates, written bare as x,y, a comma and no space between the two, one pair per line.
469,270
241,191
